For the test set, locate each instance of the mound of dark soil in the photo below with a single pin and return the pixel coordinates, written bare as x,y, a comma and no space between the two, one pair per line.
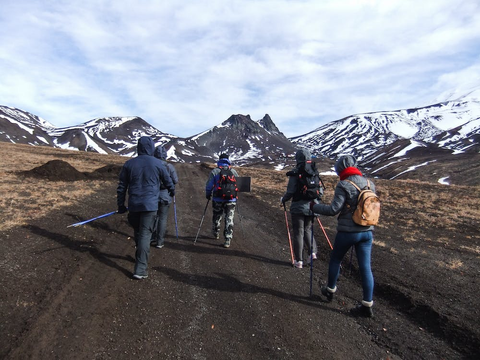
59,170
106,172
56,170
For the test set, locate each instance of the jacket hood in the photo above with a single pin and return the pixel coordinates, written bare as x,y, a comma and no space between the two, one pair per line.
145,146
302,156
160,153
344,162
223,163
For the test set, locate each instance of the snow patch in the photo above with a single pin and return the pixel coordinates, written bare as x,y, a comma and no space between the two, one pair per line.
444,181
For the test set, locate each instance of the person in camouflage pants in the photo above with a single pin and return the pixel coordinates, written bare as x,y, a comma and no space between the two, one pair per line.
221,207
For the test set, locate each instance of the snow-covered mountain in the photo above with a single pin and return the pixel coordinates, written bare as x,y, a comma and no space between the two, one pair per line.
246,141
108,135
390,144
451,125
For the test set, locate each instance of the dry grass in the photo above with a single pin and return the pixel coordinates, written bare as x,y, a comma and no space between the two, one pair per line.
408,207
37,197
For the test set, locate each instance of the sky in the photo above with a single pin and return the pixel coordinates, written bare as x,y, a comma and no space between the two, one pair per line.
186,66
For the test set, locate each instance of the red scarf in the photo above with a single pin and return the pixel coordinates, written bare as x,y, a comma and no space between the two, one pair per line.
349,171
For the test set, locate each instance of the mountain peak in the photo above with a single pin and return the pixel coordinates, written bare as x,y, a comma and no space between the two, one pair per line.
269,125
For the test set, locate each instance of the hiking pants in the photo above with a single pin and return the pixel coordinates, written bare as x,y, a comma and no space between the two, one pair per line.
363,248
161,222
142,223
302,235
219,210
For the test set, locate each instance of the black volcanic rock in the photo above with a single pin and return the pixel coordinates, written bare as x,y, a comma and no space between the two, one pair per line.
269,125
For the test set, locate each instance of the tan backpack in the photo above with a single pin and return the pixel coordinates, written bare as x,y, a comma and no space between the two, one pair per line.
367,211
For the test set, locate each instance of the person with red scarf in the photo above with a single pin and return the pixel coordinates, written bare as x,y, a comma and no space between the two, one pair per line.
349,233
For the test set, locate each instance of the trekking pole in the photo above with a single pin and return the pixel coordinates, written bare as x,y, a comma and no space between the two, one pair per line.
324,233
311,262
201,222
95,218
288,232
175,216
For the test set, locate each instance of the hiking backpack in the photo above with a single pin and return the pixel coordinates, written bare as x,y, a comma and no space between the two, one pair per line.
226,187
367,211
309,187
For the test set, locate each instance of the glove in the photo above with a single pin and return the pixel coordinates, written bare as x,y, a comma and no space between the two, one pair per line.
312,203
208,196
122,209
171,193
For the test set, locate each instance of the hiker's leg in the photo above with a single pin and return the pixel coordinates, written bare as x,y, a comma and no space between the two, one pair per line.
343,242
298,231
162,215
134,221
217,208
363,249
229,208
153,240
307,234
146,223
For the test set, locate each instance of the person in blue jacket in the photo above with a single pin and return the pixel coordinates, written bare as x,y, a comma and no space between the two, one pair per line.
221,207
164,201
142,177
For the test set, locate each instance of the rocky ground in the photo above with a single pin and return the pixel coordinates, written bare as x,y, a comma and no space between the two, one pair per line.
68,292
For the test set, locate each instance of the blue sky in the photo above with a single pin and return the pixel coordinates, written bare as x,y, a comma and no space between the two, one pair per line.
185,66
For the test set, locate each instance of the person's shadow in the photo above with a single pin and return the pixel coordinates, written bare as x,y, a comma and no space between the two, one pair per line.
83,247
229,283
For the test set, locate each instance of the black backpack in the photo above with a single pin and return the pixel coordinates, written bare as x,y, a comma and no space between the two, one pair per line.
226,187
309,182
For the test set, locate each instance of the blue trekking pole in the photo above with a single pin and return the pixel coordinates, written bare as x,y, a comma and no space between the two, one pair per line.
95,218
175,213
311,261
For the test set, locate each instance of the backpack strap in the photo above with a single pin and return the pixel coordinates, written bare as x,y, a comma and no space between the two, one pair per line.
356,186
348,206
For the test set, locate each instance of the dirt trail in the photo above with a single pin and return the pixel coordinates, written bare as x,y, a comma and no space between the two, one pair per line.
68,292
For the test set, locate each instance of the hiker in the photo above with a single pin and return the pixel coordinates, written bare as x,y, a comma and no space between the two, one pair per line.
221,206
302,217
142,177
349,233
158,237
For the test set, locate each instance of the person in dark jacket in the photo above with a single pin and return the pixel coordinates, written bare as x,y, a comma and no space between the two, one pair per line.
302,216
349,233
142,177
221,207
164,200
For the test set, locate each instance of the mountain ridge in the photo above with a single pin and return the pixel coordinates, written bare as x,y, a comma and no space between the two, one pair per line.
388,144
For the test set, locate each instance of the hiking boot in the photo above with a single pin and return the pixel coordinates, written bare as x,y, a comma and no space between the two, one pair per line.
325,292
310,257
226,243
298,264
362,311
139,277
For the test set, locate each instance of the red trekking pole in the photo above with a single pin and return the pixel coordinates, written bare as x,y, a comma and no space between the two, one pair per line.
324,233
288,231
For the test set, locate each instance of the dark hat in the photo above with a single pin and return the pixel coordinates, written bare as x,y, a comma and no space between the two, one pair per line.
224,156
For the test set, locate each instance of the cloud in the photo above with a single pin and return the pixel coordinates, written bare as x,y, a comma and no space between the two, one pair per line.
187,66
